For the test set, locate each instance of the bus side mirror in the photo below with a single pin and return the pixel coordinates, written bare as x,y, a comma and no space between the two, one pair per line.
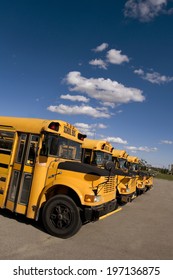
109,165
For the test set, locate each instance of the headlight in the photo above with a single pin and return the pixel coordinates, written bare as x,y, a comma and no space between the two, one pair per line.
127,188
92,198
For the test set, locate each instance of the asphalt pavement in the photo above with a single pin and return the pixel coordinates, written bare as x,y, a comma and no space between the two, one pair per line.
141,230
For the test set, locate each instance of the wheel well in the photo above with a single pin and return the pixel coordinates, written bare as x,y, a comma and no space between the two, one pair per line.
62,189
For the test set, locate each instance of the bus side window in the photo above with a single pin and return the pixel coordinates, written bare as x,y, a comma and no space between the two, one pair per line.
32,154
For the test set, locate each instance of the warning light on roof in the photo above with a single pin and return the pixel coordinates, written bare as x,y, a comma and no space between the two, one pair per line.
54,126
81,136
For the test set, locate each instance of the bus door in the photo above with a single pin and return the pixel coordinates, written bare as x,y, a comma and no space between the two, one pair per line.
22,173
7,139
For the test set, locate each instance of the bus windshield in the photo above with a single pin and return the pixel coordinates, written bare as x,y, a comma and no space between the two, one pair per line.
62,147
99,157
133,166
122,163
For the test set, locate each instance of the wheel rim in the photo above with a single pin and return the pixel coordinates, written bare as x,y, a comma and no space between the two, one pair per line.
61,216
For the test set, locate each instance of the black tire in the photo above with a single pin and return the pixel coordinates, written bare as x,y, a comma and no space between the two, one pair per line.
61,216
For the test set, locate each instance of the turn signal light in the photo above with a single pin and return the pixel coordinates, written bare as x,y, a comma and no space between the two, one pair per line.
92,198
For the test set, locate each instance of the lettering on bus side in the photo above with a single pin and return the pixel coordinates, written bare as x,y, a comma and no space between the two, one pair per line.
69,131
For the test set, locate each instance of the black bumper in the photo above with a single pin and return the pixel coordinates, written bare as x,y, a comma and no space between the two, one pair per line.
149,187
141,190
94,213
128,197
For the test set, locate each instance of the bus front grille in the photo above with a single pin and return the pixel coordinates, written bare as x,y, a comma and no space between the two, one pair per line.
109,185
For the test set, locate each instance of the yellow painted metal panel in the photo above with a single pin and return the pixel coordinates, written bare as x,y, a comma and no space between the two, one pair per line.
21,209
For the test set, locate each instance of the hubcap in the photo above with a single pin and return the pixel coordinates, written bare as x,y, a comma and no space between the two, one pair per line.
61,216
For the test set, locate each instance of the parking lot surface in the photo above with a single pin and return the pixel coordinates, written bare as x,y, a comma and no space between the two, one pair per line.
142,230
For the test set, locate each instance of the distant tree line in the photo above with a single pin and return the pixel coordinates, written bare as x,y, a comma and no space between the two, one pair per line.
156,170
161,170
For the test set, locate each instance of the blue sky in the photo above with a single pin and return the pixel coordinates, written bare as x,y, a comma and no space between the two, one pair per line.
104,66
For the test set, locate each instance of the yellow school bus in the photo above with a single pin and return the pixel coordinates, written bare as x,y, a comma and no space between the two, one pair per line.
148,175
134,166
41,174
126,182
149,181
96,152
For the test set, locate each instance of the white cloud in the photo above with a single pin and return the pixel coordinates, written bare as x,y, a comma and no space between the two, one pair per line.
139,72
157,78
116,140
83,125
108,104
101,47
169,142
98,62
75,98
146,10
89,129
119,111
143,149
104,90
79,110
115,57
153,77
102,126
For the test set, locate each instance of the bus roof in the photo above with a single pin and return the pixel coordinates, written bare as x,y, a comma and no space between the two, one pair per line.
119,153
99,145
133,159
33,125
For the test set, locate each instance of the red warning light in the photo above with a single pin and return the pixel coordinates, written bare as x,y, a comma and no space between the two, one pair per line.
54,126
